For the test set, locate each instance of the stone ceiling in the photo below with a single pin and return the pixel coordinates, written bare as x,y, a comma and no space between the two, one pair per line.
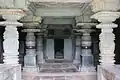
62,1
54,5
60,9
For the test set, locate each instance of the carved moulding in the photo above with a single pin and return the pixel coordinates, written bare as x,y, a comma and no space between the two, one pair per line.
86,25
105,5
31,21
11,16
63,1
106,16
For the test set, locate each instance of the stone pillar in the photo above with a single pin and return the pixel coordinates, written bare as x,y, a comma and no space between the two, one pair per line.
30,23
11,43
77,50
106,45
106,15
86,51
30,57
40,53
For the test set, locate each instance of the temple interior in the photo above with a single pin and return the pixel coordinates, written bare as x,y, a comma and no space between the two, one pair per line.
59,39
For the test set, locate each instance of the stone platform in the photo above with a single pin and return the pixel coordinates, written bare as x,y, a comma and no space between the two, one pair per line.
60,76
57,68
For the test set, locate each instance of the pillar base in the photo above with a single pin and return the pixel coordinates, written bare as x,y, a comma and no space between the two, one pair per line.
41,62
88,69
76,62
30,69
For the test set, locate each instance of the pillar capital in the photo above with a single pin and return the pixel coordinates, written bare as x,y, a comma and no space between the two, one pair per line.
85,30
31,30
11,16
31,21
86,25
39,35
106,16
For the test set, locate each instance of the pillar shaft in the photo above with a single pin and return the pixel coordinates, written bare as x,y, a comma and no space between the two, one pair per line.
77,50
11,45
87,57
30,57
40,53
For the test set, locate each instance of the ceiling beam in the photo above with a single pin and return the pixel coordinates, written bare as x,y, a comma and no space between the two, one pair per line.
58,12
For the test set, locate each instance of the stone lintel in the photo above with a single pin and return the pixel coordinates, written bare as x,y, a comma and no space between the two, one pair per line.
63,1
85,30
31,30
86,25
31,21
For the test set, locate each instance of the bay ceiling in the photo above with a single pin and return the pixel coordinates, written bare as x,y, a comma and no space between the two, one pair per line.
61,12
60,17
54,12
60,9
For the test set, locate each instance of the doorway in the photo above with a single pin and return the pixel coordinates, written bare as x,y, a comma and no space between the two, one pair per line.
59,48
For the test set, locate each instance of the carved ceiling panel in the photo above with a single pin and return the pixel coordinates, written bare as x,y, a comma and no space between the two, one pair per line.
62,1
54,5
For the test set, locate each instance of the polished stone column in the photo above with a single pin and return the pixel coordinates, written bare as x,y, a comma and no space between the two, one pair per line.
30,23
86,51
11,43
106,15
30,57
40,53
106,45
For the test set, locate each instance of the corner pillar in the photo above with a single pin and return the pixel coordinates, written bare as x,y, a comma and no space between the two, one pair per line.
106,45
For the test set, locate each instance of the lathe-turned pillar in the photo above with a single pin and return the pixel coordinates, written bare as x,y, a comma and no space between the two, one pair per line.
40,51
11,43
30,23
30,57
86,51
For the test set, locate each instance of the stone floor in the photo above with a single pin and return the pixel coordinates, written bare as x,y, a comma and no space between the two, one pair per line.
57,67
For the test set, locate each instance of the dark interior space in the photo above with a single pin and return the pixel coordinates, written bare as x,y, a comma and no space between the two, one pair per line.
59,48
117,42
